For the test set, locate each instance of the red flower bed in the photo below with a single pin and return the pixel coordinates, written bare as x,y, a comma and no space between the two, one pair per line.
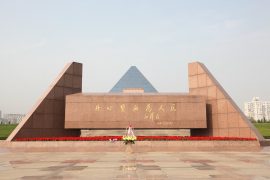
139,138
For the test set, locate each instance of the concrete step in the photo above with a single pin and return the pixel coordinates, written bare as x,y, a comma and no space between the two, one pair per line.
265,142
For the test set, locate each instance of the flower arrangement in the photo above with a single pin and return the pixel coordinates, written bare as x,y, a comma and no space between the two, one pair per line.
129,138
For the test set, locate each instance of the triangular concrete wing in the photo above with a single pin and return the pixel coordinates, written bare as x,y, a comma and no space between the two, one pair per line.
47,117
225,118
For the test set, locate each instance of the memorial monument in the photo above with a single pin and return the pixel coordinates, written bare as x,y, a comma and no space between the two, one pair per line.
207,110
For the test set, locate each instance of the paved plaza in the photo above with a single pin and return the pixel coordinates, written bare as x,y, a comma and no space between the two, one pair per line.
127,165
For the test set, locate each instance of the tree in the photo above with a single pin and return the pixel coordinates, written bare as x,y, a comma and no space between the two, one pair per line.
252,120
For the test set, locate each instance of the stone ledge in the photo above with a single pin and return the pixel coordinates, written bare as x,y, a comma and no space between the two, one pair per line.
140,146
265,142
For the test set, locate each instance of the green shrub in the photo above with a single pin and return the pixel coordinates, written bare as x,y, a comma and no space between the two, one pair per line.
5,130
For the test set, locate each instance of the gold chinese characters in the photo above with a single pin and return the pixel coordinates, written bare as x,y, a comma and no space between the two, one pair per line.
149,111
148,108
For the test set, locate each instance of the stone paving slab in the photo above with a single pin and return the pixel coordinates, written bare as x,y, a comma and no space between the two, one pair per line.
129,165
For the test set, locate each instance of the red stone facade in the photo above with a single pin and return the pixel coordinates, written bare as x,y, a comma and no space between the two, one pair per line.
223,116
47,117
105,111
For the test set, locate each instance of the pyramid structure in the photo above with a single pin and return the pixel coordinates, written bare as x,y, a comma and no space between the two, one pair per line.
133,78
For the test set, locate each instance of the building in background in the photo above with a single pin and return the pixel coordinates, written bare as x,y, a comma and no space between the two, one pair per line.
267,110
1,119
257,110
12,118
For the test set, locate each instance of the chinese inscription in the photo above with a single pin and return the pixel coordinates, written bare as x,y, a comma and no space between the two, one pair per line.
151,111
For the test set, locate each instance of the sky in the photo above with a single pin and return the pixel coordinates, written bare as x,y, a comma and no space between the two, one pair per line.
37,39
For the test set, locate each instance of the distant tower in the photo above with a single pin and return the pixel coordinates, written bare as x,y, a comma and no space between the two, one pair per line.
133,81
0,114
258,110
